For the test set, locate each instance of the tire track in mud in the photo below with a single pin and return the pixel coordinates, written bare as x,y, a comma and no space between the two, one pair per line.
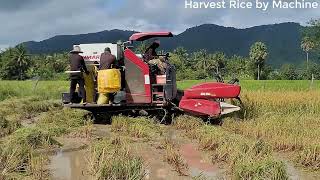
198,163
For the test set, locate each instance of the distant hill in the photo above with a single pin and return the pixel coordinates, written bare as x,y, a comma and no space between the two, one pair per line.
283,41
64,43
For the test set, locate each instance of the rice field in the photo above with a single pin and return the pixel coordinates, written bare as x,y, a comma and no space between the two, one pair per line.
280,128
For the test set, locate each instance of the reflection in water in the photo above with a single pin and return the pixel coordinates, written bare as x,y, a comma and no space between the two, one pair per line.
68,165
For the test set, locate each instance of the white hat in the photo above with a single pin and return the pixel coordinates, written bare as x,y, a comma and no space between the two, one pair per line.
76,49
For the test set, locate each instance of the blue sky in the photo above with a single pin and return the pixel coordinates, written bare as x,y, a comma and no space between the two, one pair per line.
38,19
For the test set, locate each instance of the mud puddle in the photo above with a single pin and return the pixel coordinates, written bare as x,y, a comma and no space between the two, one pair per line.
69,165
199,166
296,173
199,162
155,165
69,162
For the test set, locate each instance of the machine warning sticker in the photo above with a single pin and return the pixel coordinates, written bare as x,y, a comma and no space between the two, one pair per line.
146,79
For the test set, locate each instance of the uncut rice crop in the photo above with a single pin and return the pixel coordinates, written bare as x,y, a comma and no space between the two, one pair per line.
140,127
289,121
111,159
245,158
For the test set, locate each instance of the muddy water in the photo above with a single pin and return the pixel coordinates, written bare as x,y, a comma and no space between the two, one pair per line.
69,165
296,173
198,165
69,162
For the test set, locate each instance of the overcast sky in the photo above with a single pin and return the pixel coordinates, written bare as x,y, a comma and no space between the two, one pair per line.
25,20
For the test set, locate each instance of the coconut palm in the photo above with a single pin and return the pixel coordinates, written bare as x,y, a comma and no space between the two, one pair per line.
21,57
307,45
258,53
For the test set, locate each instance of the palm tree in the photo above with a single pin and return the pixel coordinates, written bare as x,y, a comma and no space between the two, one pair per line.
258,53
218,61
201,58
21,57
307,45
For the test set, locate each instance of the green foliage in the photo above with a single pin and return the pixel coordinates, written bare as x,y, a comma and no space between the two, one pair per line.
14,63
141,48
17,64
258,54
288,71
313,31
49,66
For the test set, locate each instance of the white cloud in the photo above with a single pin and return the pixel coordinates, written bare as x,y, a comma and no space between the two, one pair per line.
38,19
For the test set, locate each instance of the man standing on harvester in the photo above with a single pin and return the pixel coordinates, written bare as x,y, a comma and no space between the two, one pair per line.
104,78
77,67
106,59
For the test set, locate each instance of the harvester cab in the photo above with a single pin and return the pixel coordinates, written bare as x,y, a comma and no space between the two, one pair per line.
145,92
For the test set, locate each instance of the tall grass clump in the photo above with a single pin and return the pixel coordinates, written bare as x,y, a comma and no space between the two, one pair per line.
27,107
22,89
8,127
140,127
187,123
241,154
61,122
288,121
245,158
111,159
18,151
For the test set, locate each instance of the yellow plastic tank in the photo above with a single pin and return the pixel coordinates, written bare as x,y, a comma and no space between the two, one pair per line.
89,83
109,81
103,99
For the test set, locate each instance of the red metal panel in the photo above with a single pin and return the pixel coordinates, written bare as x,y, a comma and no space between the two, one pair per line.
212,90
144,68
147,35
200,107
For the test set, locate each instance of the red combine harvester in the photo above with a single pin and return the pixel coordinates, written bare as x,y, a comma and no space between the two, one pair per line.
143,92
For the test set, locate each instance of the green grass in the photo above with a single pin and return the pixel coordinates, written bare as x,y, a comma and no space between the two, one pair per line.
268,85
280,116
140,127
245,158
53,89
21,89
19,146
112,159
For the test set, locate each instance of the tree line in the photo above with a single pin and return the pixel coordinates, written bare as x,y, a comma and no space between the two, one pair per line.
17,64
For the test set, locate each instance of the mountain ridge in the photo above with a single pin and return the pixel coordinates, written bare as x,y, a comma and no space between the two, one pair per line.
283,40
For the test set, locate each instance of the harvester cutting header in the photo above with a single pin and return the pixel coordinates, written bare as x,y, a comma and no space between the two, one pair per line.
144,84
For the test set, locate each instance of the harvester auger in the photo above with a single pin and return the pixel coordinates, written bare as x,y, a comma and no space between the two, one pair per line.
143,92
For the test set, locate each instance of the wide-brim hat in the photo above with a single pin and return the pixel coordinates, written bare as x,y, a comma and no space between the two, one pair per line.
76,49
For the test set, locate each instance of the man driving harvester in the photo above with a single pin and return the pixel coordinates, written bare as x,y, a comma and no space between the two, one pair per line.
151,57
77,67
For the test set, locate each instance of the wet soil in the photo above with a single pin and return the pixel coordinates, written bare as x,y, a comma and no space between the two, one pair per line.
199,165
156,167
69,161
296,173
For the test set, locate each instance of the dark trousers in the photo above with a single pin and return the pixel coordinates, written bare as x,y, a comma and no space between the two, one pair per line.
82,91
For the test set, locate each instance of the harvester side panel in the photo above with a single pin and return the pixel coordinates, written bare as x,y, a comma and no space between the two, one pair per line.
212,90
200,107
137,79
